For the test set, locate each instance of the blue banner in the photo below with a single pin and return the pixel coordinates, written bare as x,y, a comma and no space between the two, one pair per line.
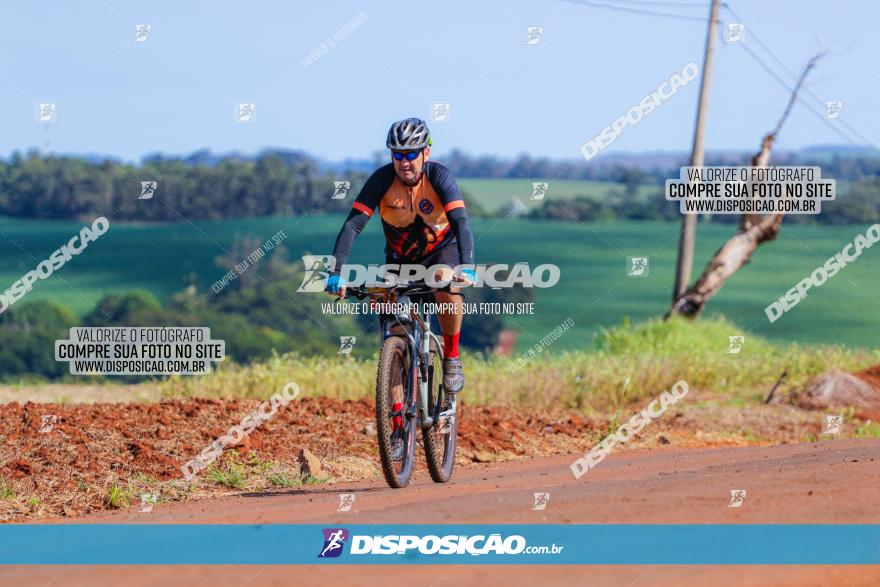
565,544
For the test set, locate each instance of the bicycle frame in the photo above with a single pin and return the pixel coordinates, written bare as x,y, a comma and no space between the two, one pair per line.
417,330
420,367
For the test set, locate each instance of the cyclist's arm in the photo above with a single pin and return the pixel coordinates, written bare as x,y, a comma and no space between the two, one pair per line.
461,227
453,204
354,224
361,211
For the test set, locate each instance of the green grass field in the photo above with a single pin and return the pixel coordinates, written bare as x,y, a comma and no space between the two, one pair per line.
627,365
494,194
594,290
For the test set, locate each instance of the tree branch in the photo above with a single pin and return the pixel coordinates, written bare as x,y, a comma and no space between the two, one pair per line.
754,229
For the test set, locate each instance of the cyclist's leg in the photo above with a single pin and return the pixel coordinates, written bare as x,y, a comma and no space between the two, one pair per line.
450,316
449,298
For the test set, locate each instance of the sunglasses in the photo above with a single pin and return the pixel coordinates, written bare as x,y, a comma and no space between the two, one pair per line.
409,155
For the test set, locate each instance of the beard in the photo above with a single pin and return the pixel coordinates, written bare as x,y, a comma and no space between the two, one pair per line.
415,179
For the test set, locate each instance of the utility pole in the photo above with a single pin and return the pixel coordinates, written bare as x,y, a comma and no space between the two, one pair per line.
689,221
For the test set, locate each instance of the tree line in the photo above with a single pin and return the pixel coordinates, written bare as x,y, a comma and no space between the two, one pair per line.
291,183
256,315
856,203
51,187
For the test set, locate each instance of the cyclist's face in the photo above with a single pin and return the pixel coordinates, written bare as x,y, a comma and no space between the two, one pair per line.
408,171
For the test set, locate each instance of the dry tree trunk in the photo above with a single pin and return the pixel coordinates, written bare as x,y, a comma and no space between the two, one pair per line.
754,229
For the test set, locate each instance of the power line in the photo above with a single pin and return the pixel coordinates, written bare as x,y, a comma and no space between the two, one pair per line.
821,102
834,126
700,5
638,10
761,43
788,87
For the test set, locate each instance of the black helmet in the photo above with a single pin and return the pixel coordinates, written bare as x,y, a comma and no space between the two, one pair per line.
407,135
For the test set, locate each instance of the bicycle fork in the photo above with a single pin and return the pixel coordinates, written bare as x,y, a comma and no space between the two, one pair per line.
429,415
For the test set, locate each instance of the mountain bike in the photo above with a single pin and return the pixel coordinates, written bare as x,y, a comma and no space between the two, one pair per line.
410,363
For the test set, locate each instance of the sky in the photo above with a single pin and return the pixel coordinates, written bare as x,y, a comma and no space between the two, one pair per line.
178,90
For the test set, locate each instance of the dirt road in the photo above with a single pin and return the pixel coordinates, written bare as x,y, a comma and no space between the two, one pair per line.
825,482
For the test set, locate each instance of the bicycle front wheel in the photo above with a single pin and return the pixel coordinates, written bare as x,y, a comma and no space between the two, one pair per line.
395,427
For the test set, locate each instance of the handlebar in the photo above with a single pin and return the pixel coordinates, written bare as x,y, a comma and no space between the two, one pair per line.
383,292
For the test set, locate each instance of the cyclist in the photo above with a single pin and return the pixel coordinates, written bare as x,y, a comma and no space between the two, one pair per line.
425,223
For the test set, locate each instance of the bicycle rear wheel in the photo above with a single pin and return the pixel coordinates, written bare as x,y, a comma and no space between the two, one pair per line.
439,438
395,426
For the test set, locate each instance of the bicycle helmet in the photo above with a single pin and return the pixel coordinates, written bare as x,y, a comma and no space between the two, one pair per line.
408,135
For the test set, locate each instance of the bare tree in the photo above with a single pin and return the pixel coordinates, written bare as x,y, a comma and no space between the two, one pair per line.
754,230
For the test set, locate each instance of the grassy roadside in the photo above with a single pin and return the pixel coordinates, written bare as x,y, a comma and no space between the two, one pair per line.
103,455
626,364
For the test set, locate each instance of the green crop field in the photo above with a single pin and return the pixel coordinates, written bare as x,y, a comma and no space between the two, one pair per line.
493,193
594,290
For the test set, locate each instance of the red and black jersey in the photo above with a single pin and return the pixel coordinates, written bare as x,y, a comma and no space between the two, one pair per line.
417,219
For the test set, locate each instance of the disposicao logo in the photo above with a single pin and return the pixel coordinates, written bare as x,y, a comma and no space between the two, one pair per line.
334,541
